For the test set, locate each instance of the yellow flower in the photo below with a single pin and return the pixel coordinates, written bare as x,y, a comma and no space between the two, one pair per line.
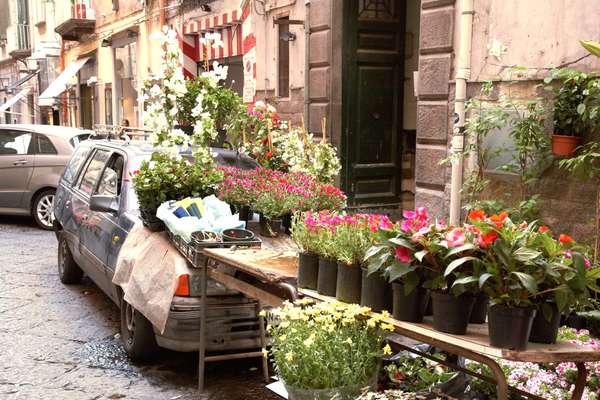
282,338
349,341
284,324
311,339
387,327
385,314
265,353
262,313
371,322
289,356
387,350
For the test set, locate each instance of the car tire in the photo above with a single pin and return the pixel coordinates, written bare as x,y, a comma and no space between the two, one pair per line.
68,271
42,209
137,334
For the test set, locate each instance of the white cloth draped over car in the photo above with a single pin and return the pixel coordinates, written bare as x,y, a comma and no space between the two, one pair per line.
148,271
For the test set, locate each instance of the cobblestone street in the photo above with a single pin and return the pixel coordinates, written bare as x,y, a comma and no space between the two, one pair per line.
61,342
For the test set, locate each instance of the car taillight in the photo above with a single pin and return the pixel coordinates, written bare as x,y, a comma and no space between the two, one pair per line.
183,286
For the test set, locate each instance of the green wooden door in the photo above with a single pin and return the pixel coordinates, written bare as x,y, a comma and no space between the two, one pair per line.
373,73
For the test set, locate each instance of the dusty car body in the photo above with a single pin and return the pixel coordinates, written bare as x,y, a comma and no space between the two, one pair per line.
32,159
91,231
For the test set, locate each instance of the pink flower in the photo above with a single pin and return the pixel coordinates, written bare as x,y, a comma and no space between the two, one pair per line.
403,254
455,237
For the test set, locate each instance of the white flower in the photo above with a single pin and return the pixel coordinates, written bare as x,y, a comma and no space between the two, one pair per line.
260,105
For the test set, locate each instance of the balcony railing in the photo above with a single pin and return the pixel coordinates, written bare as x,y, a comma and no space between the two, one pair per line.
83,10
81,23
23,37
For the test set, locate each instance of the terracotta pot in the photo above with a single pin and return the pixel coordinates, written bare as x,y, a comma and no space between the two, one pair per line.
564,145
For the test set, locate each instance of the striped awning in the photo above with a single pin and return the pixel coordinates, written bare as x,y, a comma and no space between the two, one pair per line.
228,24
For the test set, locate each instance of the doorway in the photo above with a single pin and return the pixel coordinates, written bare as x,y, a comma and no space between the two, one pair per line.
376,124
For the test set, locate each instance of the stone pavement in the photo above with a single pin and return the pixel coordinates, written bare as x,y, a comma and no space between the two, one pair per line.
61,342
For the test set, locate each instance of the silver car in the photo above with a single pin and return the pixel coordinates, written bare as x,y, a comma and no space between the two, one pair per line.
32,159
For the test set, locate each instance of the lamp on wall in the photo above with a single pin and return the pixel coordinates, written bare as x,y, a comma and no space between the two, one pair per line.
106,43
287,36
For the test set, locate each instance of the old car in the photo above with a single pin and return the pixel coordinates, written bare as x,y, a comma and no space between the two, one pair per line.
95,208
32,158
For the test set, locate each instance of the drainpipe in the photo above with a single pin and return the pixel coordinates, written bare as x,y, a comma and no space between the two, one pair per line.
307,65
463,72
162,13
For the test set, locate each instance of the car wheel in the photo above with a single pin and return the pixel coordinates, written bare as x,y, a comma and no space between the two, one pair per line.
43,209
68,270
137,333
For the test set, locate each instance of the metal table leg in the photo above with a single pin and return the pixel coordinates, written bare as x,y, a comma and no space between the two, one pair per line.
581,381
202,347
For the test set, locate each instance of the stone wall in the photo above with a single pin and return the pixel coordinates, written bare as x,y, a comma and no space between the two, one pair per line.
434,104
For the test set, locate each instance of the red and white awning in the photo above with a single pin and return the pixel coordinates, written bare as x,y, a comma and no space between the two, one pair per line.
228,24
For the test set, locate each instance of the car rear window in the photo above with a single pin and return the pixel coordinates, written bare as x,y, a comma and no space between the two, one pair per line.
43,145
75,164
75,140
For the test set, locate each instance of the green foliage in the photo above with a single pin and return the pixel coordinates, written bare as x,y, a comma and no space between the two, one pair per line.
592,47
576,102
414,374
526,210
586,165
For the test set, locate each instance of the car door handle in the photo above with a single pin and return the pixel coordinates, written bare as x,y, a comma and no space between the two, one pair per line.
20,162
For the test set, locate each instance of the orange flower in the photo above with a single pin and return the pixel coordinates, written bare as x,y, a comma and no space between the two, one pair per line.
544,229
477,215
488,238
499,219
563,238
523,225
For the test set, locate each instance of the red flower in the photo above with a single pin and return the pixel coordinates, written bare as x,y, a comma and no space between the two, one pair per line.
269,154
402,254
544,229
477,215
488,238
499,219
563,238
523,225
137,171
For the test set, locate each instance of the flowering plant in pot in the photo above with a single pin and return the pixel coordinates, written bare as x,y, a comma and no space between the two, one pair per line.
351,240
512,272
576,108
327,350
306,237
325,224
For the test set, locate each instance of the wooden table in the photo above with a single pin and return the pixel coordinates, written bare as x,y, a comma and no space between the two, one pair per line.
276,265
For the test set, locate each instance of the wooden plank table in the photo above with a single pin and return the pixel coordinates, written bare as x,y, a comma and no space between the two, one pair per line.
276,264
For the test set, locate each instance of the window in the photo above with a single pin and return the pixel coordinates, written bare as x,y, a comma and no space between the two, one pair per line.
44,145
75,140
75,164
108,106
110,183
14,143
89,179
283,62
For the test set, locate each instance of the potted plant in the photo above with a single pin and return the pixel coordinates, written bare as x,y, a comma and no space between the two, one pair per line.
304,233
269,203
510,277
238,189
325,223
352,239
576,104
327,350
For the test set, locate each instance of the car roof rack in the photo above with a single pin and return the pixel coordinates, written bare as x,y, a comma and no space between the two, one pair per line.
118,132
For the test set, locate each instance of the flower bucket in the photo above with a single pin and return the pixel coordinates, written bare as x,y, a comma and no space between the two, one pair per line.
350,392
270,227
375,291
451,314
349,281
510,327
564,145
542,330
327,280
479,313
244,213
286,224
308,270
409,307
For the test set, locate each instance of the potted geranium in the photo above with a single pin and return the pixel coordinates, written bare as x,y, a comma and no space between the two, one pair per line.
305,234
325,223
327,350
575,108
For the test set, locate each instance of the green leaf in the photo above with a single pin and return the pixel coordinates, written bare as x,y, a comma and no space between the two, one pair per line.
411,281
483,278
581,108
460,249
401,242
525,255
457,263
420,254
398,270
547,80
465,280
373,250
592,47
526,280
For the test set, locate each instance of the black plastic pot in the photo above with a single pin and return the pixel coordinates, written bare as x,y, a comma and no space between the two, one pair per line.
270,227
409,307
375,291
510,327
349,282
150,221
286,224
237,235
243,213
429,308
308,270
577,322
479,313
451,314
327,280
542,330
